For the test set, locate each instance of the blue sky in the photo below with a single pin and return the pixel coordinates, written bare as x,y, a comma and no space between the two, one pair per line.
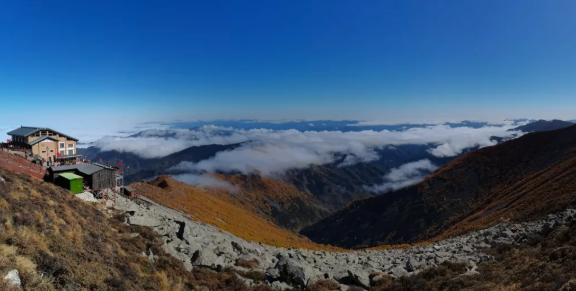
124,61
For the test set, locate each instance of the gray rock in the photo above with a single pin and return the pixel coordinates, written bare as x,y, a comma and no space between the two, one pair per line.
398,271
281,286
299,273
144,221
412,264
272,273
205,258
360,277
13,278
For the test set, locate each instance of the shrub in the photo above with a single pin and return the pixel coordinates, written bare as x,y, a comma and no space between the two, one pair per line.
249,264
324,285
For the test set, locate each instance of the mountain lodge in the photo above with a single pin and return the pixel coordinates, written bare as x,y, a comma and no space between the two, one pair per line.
45,143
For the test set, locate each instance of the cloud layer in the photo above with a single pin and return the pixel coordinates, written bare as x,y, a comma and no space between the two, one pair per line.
275,151
405,175
206,181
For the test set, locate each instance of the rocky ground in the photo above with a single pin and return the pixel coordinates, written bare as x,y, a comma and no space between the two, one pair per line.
200,245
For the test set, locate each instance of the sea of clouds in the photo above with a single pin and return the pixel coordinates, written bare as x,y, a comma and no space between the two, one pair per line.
275,151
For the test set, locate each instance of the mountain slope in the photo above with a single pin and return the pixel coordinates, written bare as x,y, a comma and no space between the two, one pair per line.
58,242
520,179
219,211
273,199
544,125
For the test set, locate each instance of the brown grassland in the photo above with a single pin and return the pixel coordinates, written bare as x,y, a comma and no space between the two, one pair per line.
213,209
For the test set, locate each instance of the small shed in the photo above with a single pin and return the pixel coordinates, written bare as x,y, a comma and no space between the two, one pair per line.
96,176
128,191
71,182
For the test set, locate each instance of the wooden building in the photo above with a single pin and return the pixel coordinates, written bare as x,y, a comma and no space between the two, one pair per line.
96,176
46,143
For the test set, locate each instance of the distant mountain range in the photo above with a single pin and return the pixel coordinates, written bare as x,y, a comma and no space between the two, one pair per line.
544,125
524,178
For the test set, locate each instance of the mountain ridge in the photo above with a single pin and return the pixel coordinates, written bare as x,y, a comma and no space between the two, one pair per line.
460,189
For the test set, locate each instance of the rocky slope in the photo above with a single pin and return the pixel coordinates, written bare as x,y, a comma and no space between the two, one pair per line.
525,178
201,245
255,221
50,240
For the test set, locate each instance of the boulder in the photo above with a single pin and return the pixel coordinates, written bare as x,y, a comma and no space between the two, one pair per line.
360,277
412,264
205,258
295,271
144,221
13,278
281,286
398,271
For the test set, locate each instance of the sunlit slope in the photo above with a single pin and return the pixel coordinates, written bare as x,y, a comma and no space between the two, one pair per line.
214,209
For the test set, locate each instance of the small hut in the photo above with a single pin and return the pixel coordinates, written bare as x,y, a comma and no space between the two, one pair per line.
96,176
71,182
128,191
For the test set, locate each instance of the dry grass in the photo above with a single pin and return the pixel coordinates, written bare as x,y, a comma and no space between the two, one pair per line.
324,285
248,264
58,242
216,211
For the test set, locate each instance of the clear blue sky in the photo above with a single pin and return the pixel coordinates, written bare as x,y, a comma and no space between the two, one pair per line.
375,60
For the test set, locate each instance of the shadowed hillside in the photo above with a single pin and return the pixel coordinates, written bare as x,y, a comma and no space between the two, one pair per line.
273,199
220,211
521,179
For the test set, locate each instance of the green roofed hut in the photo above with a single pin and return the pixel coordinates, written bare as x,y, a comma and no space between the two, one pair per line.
71,182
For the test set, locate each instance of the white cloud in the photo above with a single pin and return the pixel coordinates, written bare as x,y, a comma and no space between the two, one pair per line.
274,152
205,181
405,175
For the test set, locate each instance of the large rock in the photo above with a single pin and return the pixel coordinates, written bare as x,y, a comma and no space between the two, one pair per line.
360,277
205,258
13,278
412,264
144,221
281,286
294,271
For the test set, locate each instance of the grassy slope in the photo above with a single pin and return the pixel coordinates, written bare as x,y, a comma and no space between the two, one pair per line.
273,199
217,211
58,242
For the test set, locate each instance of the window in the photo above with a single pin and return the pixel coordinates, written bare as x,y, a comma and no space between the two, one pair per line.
62,152
70,152
70,145
51,151
61,145
43,152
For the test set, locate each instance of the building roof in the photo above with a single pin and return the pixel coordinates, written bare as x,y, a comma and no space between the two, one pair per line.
129,189
28,130
87,169
70,176
42,139
68,157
